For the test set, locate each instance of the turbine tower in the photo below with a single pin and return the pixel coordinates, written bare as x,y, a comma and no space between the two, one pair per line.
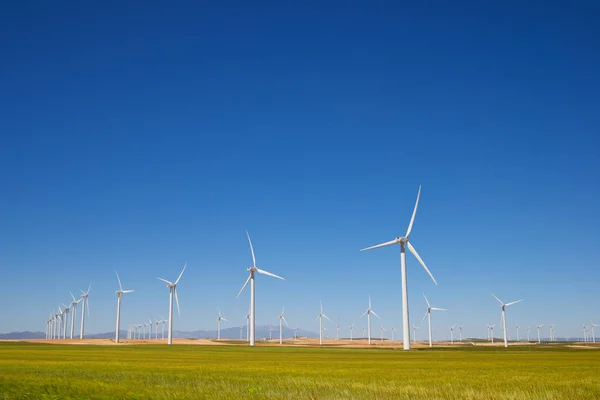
460,330
404,241
351,330
65,320
119,293
518,332
415,333
428,316
320,318
172,291
281,321
219,319
593,333
452,334
538,329
368,313
504,315
85,297
251,279
73,310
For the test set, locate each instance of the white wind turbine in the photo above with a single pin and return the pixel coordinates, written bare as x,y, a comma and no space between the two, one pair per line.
404,241
320,318
491,328
351,330
163,322
504,315
363,335
538,330
60,319
337,329
382,330
173,291
73,310
150,324
251,279
551,329
85,297
393,330
247,318
452,334
518,332
119,293
219,319
368,313
460,330
528,328
270,332
593,333
428,316
415,333
156,329
66,320
281,321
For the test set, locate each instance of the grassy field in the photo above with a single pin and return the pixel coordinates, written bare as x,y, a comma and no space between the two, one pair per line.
42,371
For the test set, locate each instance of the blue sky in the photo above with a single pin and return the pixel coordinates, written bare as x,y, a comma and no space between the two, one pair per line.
140,137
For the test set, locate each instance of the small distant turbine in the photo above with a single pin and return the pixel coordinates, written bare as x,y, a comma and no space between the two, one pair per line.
538,330
393,330
452,334
460,329
320,318
382,330
415,333
428,316
528,328
518,332
351,330
219,319
84,302
504,315
593,333
173,292
119,293
281,322
368,313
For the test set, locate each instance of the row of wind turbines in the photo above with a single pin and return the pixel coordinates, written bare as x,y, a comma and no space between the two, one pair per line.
58,321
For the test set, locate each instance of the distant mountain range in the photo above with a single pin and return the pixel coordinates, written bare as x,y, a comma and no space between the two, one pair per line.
226,333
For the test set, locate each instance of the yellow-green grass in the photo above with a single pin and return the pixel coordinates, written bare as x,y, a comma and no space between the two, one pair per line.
46,371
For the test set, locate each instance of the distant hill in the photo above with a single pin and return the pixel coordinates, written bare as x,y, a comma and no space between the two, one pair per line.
226,333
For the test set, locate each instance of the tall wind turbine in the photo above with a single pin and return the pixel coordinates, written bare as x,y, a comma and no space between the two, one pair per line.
504,315
337,329
415,333
251,279
491,328
219,319
538,329
382,330
73,309
351,331
528,328
428,316
119,293
393,330
163,321
404,241
518,332
460,330
84,302
452,334
281,321
368,313
65,319
320,318
247,318
173,291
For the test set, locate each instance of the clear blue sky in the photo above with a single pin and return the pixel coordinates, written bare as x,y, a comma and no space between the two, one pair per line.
138,137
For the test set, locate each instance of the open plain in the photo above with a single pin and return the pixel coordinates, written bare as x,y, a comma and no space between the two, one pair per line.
37,370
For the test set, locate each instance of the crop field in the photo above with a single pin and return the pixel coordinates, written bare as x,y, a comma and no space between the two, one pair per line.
50,371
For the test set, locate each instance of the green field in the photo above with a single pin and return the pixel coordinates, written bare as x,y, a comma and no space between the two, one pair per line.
42,371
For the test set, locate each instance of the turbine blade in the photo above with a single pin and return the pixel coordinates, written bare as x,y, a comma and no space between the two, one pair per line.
375,314
177,281
262,271
87,303
369,302
363,314
73,297
427,301
438,309
321,303
423,320
177,301
499,301
318,316
243,287
251,249
412,250
89,287
282,317
165,281
327,318
128,291
224,319
514,302
119,279
391,242
412,219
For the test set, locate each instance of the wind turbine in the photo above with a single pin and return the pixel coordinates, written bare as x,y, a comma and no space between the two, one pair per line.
60,319
281,321
368,313
119,293
415,333
452,334
551,328
66,320
504,315
156,329
460,330
491,327
337,328
351,330
404,241
518,332
593,333
295,333
382,330
85,297
393,330
247,317
74,308
163,321
538,329
250,279
219,319
270,332
428,316
528,328
172,291
320,318
583,329
363,335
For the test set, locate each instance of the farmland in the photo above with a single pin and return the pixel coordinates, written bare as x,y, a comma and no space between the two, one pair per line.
53,371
